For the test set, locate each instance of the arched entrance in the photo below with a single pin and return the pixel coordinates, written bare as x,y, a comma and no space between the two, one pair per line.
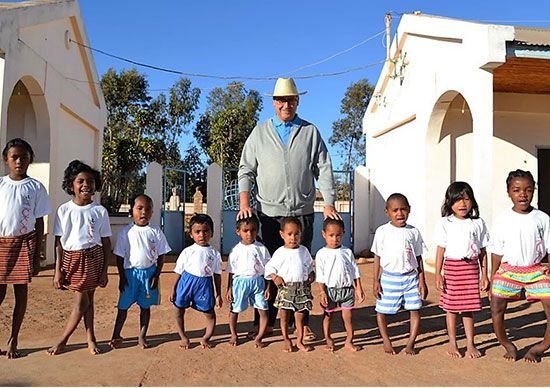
449,147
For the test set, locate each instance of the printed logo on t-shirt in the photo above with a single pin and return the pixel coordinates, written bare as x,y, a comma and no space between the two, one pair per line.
209,264
409,250
153,248
257,264
25,214
91,229
473,249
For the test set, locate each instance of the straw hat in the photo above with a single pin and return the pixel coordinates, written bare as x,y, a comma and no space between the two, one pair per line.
285,87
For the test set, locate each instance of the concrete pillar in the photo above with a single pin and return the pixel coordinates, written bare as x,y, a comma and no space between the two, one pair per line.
214,177
362,217
153,188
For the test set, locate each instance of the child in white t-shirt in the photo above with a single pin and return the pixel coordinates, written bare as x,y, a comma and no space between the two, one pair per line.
398,270
339,281
197,267
139,250
246,283
82,248
291,269
23,204
519,242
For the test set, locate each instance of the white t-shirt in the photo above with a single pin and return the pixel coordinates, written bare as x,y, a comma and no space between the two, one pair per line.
140,246
21,203
336,267
248,260
293,265
81,227
398,247
461,238
199,261
521,239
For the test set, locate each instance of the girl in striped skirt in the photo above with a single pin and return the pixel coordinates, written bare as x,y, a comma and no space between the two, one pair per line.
24,202
461,238
82,248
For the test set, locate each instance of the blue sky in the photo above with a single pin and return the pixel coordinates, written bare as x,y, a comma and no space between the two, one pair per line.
262,38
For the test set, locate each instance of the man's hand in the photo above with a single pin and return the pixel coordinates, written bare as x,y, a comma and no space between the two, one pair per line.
330,212
244,212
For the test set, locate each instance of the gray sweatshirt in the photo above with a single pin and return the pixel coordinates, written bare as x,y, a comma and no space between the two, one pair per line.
285,174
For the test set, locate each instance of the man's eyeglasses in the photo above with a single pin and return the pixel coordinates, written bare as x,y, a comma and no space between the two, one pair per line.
289,100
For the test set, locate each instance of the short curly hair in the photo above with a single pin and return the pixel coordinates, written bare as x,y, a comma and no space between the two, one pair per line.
18,142
201,219
73,169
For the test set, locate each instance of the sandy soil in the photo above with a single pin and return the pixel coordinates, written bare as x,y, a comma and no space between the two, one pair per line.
166,365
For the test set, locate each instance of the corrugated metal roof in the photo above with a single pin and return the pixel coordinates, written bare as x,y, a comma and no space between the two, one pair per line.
532,36
31,3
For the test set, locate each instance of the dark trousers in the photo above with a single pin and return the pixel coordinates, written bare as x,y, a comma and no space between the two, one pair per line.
271,238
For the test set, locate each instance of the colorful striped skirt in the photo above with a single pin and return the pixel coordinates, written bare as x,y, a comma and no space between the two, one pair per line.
461,289
82,269
510,280
16,258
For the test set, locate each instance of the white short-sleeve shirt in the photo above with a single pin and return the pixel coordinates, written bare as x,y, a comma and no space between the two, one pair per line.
248,260
336,267
521,239
21,203
461,238
199,261
140,246
293,265
81,227
398,247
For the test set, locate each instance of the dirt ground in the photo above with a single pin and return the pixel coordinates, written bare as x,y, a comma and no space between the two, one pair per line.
166,365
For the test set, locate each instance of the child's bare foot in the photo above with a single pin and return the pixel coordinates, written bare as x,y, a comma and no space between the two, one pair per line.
288,346
56,349
309,335
205,344
254,332
142,342
330,345
410,350
233,340
351,347
534,354
184,343
511,351
304,348
12,352
388,348
93,348
116,343
258,344
472,352
453,351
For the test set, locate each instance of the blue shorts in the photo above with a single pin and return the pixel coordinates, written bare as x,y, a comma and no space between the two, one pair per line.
248,289
398,289
196,292
139,289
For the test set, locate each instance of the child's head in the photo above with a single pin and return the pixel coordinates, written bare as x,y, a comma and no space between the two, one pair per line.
521,187
141,209
81,181
291,232
247,229
18,154
201,228
460,201
397,209
333,232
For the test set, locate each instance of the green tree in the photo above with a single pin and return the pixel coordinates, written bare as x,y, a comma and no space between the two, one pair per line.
231,115
347,132
140,129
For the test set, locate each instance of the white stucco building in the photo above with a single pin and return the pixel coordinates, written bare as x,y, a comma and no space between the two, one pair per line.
50,91
458,101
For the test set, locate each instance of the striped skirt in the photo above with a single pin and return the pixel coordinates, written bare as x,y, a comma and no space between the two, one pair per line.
16,258
461,289
82,269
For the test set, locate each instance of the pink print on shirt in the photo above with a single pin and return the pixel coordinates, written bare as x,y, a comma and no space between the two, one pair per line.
208,267
25,214
91,229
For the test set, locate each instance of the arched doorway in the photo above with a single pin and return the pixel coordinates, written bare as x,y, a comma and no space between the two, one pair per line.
449,147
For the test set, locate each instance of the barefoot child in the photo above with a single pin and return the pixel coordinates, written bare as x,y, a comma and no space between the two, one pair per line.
339,281
23,204
139,250
398,270
291,269
197,267
82,248
520,240
246,283
461,237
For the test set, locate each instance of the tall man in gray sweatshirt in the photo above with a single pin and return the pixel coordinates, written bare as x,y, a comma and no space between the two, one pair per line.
284,156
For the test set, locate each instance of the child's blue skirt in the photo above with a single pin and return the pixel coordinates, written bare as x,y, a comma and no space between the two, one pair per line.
196,292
